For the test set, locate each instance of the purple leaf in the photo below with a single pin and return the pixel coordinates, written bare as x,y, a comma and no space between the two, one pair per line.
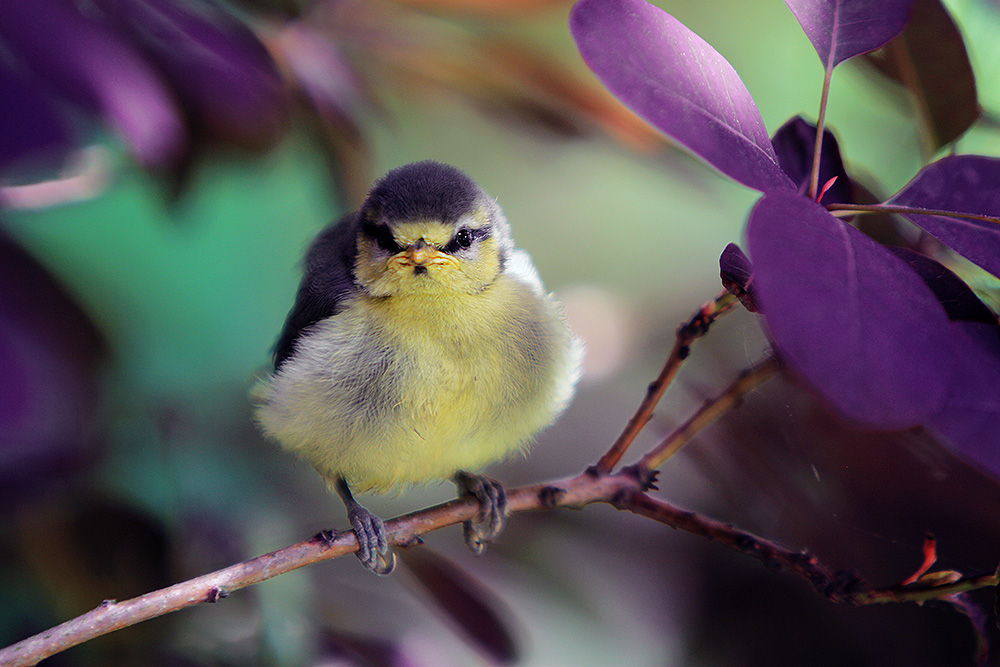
842,29
856,323
34,133
676,81
737,273
217,67
957,298
970,419
929,58
795,143
466,601
50,354
88,64
964,184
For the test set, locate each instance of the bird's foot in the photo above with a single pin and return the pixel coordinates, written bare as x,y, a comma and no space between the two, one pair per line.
373,543
492,516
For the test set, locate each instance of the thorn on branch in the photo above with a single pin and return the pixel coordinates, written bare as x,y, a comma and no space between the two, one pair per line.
549,496
645,477
325,537
698,325
215,594
411,541
843,585
745,543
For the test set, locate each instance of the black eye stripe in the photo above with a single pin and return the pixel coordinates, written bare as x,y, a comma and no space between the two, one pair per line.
382,236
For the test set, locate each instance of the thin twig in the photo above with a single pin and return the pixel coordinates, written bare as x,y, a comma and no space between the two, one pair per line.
837,586
923,592
710,410
854,209
687,334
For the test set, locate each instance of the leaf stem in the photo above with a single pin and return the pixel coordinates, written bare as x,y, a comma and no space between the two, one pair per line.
853,209
820,124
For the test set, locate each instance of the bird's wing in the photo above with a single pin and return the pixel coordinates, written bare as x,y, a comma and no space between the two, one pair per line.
328,280
520,266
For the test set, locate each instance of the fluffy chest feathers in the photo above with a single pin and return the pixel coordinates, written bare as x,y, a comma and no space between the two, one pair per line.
398,390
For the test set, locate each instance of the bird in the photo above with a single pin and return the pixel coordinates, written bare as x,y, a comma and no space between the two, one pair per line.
421,346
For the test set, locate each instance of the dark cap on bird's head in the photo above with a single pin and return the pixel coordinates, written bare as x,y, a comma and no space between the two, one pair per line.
422,191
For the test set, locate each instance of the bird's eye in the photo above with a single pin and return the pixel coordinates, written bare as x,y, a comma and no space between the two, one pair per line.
462,240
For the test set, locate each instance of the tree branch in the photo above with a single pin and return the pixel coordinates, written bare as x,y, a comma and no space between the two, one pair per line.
712,409
687,334
404,531
625,490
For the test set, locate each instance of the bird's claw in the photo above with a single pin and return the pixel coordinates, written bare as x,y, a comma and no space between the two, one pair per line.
492,516
373,543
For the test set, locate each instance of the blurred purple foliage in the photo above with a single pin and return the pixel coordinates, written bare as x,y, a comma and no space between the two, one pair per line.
970,417
50,355
866,330
160,72
34,131
930,61
223,76
86,63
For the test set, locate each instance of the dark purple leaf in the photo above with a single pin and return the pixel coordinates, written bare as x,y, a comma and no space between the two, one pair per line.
49,357
795,143
964,184
842,29
856,323
34,134
680,84
737,274
87,63
219,69
466,601
930,60
883,227
343,648
958,299
970,419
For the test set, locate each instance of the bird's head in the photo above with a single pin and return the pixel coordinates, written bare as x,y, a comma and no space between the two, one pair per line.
427,228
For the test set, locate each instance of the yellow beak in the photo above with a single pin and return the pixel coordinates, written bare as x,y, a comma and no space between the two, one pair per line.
420,253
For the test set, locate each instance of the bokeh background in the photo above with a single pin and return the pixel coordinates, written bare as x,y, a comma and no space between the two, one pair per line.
144,278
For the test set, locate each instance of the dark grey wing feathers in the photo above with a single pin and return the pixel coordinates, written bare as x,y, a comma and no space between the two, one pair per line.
328,280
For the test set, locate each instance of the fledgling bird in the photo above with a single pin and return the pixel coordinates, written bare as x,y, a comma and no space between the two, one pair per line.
421,346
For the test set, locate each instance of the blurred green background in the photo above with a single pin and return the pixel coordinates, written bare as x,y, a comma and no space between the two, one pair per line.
189,290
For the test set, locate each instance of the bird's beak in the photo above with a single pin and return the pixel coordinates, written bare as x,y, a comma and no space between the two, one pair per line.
419,253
